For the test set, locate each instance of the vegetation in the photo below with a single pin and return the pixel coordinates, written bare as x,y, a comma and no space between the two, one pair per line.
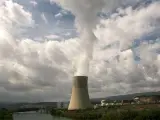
132,115
78,114
110,113
5,114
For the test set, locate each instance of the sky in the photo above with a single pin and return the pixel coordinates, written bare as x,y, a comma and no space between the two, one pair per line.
39,42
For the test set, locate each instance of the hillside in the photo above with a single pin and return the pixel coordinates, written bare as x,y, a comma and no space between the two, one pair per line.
125,97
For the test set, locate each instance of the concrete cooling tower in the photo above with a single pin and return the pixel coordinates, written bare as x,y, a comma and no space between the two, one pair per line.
80,97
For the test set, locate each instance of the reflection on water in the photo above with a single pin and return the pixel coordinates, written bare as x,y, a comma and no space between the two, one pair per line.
35,116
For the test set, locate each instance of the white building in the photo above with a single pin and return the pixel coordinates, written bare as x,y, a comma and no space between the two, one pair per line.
103,103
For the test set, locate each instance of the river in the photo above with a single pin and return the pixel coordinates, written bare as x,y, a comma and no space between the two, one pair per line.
35,116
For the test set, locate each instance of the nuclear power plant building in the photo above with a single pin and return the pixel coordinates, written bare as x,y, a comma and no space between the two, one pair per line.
80,97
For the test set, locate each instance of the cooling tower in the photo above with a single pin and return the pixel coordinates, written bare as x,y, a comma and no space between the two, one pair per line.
80,97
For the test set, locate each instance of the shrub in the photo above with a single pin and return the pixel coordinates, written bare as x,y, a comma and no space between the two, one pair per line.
5,114
132,115
148,115
109,114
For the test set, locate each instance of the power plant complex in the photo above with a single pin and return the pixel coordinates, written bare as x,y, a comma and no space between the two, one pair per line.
80,97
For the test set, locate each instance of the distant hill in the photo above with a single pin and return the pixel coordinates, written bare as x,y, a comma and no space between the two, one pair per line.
131,96
10,105
125,97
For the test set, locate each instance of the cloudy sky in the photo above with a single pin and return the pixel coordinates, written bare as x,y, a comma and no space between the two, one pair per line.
39,42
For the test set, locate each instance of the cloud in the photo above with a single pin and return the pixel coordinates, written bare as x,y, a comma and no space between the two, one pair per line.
44,18
13,14
34,3
61,13
53,37
118,29
2,1
118,71
42,70
27,66
67,34
58,15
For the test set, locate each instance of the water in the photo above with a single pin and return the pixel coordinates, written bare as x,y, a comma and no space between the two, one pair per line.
35,116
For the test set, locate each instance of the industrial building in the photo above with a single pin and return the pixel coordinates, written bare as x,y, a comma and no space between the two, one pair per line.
80,97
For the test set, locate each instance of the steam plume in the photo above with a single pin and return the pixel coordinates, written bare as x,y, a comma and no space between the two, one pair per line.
85,12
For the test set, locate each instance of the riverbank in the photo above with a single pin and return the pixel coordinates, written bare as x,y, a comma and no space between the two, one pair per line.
130,112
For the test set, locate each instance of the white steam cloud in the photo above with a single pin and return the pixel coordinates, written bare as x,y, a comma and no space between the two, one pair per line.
86,12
